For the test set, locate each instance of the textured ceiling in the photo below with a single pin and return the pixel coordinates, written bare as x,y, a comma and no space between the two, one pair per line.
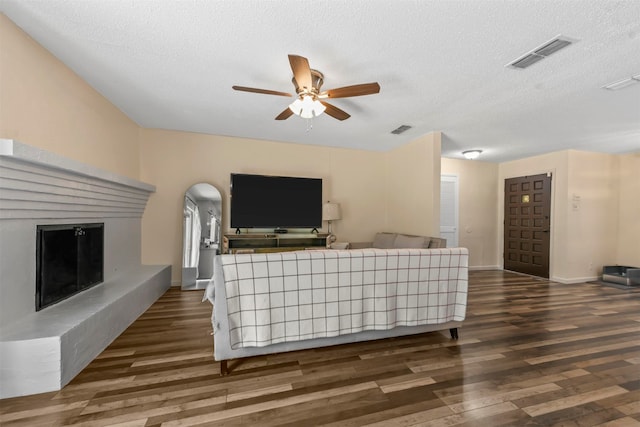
441,66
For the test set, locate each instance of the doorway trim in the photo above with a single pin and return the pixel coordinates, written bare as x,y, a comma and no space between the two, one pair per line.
456,209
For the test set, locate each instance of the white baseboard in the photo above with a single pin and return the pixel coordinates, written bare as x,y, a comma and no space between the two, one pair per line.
573,280
484,267
562,280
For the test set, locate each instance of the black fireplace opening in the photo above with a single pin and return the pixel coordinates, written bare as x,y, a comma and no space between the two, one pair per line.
69,259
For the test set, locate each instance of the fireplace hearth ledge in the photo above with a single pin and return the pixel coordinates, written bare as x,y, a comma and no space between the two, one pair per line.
46,350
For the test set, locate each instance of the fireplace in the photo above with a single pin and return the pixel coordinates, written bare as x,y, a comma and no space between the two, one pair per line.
46,200
69,259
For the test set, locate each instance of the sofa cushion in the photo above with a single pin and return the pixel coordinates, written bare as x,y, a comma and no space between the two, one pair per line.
384,240
436,242
404,241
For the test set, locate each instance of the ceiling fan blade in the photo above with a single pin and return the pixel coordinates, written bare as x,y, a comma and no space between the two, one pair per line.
355,90
301,71
264,91
285,114
335,112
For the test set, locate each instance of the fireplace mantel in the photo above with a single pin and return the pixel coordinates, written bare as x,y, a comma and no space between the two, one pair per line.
35,183
29,154
42,351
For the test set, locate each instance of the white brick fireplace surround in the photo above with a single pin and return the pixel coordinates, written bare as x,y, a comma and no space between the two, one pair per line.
42,351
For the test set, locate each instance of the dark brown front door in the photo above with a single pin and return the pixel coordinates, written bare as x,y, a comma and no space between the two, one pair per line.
527,218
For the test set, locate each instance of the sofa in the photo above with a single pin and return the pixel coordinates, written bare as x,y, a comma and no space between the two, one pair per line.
276,302
386,240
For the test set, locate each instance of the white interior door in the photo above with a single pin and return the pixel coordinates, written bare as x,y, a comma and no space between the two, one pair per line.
449,209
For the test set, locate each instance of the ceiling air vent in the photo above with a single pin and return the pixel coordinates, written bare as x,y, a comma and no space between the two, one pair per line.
400,129
541,52
621,84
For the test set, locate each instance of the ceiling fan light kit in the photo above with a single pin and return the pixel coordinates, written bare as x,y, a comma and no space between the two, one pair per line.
307,107
307,83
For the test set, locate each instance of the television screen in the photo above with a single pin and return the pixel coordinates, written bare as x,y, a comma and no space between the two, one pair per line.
261,201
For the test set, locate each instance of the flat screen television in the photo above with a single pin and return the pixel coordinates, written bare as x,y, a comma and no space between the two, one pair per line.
279,202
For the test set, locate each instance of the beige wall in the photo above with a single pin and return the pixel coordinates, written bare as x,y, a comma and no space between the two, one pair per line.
592,215
173,161
44,104
413,186
587,218
628,247
361,181
477,209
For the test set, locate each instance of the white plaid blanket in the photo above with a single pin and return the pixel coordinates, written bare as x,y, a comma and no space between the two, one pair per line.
293,296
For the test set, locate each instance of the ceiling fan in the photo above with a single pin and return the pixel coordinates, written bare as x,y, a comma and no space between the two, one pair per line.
309,102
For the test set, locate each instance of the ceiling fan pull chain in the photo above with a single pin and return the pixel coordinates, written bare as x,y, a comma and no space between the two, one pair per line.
309,124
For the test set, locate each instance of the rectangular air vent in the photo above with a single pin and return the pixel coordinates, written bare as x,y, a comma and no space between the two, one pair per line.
541,52
526,61
552,47
621,84
400,129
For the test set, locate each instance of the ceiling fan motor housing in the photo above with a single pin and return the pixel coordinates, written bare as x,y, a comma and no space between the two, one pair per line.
317,78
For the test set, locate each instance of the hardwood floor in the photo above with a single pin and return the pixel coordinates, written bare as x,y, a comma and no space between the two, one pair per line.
531,353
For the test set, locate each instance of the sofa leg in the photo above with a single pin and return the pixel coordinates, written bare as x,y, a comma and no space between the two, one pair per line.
224,369
454,333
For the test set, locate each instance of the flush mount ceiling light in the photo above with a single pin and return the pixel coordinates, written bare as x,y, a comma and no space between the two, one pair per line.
620,84
471,154
541,52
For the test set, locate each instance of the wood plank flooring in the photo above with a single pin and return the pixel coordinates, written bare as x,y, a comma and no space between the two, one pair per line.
531,353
